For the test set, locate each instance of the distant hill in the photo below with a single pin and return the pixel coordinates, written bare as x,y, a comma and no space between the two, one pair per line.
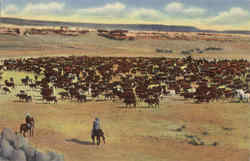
237,32
138,27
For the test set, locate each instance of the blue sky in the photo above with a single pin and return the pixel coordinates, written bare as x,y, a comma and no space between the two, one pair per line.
205,14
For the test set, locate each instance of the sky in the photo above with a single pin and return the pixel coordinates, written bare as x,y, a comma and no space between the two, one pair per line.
204,14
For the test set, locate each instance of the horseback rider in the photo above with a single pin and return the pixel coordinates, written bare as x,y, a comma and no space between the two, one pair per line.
29,120
96,126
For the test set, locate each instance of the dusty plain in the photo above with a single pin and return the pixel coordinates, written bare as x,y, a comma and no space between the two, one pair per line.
139,134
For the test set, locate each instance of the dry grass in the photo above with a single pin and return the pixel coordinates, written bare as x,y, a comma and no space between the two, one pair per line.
140,134
143,133
18,76
92,45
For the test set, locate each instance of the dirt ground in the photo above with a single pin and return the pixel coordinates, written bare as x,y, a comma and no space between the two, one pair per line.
139,134
92,45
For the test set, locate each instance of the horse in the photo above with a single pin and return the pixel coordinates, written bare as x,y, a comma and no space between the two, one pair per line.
98,134
24,128
28,126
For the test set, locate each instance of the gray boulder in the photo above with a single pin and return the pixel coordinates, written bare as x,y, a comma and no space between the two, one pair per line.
29,152
9,135
60,158
196,141
18,155
55,157
3,159
6,149
16,148
41,157
19,141
52,155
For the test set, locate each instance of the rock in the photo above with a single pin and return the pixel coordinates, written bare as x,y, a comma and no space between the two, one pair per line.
19,142
41,157
18,155
227,129
55,157
52,155
189,136
196,141
3,159
9,135
179,129
6,149
29,152
59,158
215,144
205,133
16,148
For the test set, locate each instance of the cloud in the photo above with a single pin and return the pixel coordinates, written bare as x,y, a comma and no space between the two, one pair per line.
43,8
178,8
145,14
175,13
10,9
174,7
119,11
110,9
234,16
193,11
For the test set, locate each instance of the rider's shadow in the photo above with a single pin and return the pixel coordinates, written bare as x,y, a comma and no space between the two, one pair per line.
79,142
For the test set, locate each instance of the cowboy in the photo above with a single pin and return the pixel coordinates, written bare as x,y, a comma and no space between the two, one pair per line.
29,120
96,125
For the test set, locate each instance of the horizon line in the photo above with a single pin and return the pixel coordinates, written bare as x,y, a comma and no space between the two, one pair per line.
148,24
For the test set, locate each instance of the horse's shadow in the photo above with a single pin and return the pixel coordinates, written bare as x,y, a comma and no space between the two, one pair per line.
79,142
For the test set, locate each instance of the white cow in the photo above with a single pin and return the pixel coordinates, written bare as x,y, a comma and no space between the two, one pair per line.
89,91
239,92
171,92
246,96
242,95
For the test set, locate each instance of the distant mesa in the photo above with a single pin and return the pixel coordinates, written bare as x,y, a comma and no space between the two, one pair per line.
135,27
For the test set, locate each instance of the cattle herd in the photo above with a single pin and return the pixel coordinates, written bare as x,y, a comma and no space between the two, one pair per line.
131,80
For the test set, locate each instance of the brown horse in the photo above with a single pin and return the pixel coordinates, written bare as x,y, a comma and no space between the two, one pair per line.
98,134
25,127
